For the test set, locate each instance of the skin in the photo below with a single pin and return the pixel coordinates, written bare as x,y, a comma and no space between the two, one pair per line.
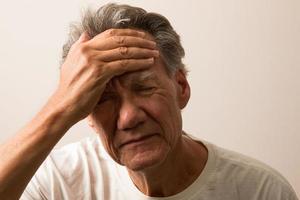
89,66
142,129
92,66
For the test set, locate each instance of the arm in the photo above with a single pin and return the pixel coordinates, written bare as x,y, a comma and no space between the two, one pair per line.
23,154
90,64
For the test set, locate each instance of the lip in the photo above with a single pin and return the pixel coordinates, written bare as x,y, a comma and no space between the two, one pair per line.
137,141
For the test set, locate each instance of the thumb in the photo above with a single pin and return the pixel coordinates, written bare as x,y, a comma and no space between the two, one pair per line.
84,37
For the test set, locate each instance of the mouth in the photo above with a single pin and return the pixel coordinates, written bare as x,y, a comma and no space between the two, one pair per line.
138,141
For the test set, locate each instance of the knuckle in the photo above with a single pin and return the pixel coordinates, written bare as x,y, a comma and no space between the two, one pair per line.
120,39
98,68
86,58
111,32
123,51
124,63
83,49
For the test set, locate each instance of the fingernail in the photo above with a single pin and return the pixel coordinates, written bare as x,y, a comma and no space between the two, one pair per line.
151,60
142,34
153,43
156,53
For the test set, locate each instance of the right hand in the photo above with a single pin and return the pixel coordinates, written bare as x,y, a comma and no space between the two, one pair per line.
92,63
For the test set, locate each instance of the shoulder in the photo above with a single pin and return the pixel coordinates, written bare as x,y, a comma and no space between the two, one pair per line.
231,160
80,157
74,167
250,176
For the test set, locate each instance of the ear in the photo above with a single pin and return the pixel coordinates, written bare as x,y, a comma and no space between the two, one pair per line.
183,88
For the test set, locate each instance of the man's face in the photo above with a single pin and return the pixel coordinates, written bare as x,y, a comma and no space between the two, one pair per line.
139,116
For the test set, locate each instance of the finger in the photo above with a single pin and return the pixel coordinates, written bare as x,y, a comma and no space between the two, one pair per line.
119,67
83,37
120,32
126,53
121,41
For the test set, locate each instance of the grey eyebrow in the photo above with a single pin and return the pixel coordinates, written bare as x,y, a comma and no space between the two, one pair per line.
136,78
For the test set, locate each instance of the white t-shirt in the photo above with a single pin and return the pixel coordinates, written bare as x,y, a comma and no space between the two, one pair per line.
84,171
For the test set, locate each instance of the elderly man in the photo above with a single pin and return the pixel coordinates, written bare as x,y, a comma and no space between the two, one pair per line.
122,70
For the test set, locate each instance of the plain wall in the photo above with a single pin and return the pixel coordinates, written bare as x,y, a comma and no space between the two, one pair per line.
243,57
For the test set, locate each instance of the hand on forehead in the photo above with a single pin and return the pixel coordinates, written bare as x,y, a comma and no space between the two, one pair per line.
129,38
126,32
113,38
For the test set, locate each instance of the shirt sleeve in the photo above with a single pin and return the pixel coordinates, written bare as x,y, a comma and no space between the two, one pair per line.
33,191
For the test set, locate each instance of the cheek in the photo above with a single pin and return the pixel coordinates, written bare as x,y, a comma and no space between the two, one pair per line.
165,111
104,118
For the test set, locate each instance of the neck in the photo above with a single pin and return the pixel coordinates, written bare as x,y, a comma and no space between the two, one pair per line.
182,167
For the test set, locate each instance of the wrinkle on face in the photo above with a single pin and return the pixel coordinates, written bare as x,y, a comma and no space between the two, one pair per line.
141,83
141,78
153,92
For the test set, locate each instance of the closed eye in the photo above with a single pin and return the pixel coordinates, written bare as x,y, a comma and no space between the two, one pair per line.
145,89
105,97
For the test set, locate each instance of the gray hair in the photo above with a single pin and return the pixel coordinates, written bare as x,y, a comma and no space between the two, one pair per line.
124,16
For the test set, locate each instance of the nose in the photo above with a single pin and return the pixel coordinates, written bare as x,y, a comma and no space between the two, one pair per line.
130,115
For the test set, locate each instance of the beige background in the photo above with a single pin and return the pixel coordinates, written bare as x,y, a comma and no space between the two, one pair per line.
243,56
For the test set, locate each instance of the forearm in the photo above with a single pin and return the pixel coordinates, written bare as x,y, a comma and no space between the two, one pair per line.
23,154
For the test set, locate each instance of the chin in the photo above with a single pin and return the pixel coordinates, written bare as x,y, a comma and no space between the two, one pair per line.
143,159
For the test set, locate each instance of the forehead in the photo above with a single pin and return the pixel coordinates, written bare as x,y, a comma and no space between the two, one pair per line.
139,76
